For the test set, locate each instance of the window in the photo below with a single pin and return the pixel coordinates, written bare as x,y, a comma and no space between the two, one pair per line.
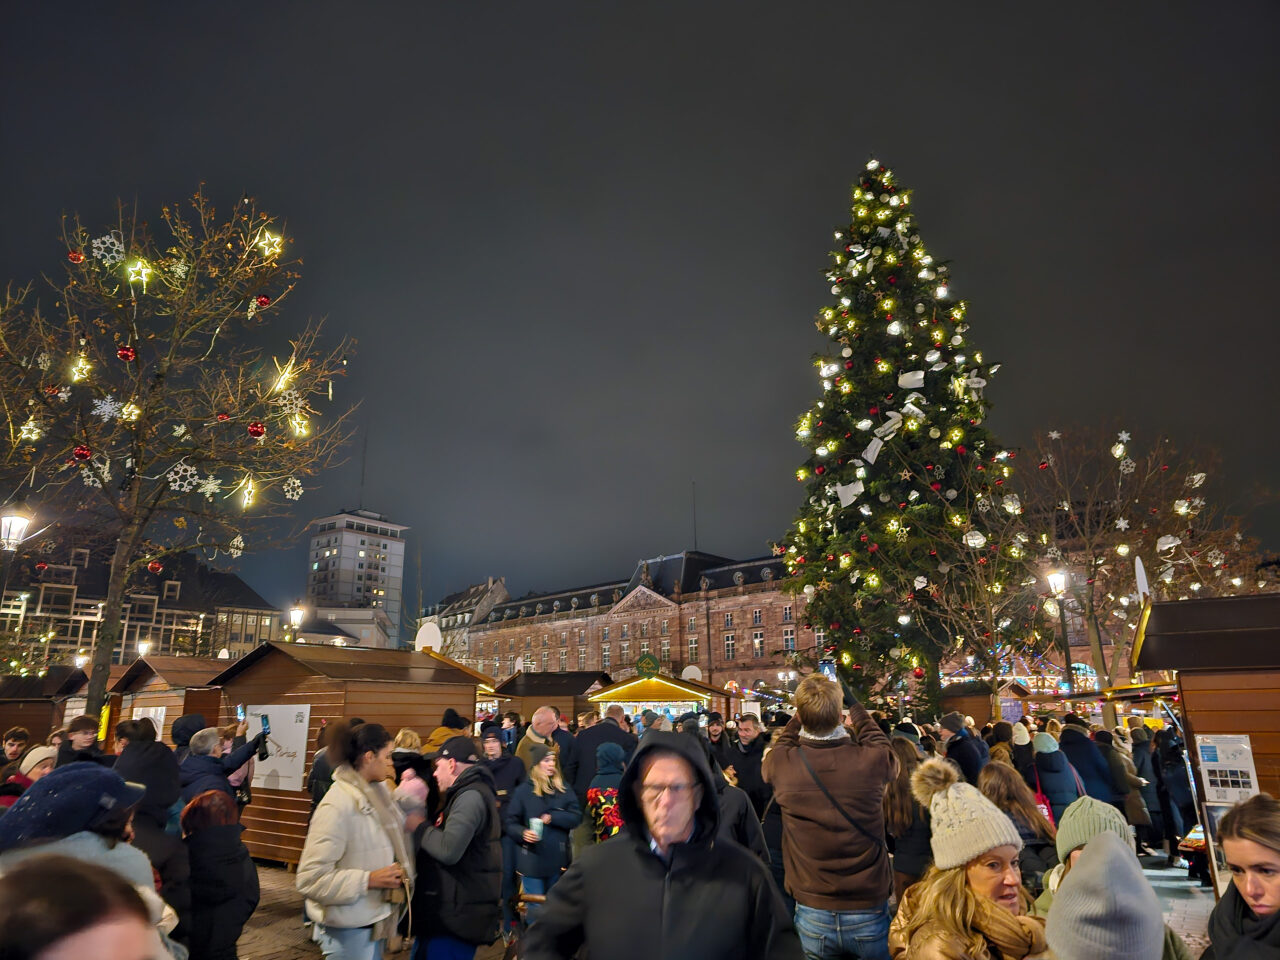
511,665
544,661
564,660
663,628
757,643
582,658
497,665
528,663
820,638
757,617
789,639
564,638
626,630
693,649
544,639
582,637
644,629
604,656
730,645
693,624
604,633
786,613
666,650
626,651
511,644
171,588
644,647
728,620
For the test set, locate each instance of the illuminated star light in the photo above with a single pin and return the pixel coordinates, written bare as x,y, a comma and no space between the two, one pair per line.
139,272
270,243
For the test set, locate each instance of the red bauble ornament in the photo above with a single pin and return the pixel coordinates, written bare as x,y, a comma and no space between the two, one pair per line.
75,256
935,485
835,626
1044,465
263,301
873,548
893,279
41,567
848,364
127,354
819,470
918,673
873,411
961,450
51,389
81,452
224,417
856,666
257,429
155,566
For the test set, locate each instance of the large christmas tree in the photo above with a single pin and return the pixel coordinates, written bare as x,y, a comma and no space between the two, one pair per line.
904,544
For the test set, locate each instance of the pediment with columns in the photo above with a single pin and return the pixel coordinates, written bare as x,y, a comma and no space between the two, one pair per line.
642,600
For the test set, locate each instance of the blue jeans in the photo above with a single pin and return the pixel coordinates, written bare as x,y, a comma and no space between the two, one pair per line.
347,943
831,935
442,948
538,886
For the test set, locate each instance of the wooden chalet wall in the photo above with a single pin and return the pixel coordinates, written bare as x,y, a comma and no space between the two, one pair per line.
276,821
177,702
569,706
40,717
1237,701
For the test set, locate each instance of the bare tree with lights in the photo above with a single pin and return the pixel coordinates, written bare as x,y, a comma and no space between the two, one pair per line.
142,397
1101,502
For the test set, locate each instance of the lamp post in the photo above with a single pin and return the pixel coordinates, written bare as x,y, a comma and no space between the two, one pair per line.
144,647
1058,587
296,613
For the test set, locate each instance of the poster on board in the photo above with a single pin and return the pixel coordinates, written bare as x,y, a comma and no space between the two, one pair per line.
286,744
154,714
1227,768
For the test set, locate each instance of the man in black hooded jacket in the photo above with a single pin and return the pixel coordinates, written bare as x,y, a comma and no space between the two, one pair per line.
650,891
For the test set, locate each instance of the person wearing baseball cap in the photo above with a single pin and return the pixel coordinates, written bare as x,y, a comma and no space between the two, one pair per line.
456,904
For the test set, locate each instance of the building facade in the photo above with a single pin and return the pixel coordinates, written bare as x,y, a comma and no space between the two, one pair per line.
357,560
54,610
705,617
454,614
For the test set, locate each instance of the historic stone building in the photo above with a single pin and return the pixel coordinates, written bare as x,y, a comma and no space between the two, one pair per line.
706,617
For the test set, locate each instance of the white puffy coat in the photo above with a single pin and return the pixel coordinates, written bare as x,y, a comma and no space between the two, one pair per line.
345,843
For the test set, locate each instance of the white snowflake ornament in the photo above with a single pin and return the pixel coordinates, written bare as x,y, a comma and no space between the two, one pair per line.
292,488
180,430
1127,466
109,249
1122,524
236,546
210,487
178,269
1215,557
1055,434
183,478
97,471
107,408
291,403
43,361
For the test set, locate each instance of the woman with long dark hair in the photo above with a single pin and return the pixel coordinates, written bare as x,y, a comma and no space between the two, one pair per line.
224,880
1003,785
356,856
906,822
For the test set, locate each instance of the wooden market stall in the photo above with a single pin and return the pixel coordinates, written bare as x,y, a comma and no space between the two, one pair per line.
568,692
973,699
165,688
650,690
1226,651
300,687
39,703
487,700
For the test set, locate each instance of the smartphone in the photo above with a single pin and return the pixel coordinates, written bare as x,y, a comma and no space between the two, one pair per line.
240,712
266,724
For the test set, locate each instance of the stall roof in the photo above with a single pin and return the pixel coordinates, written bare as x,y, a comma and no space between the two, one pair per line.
655,689
1128,692
484,683
353,663
1214,633
175,671
58,681
570,683
973,688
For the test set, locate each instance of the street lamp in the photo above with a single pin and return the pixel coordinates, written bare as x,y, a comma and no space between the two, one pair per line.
296,613
14,520
144,647
1058,587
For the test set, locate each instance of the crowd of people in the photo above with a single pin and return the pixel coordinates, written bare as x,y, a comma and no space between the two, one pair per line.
832,832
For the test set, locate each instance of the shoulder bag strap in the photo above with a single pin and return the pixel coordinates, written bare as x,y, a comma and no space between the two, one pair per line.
880,844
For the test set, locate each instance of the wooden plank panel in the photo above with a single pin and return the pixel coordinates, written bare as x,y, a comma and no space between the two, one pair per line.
1265,700
162,696
40,717
1255,680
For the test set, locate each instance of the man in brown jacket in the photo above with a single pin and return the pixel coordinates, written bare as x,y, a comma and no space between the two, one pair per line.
829,780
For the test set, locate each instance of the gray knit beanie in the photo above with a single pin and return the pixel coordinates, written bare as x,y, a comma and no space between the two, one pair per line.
965,823
1021,735
1044,743
1085,819
953,721
1105,907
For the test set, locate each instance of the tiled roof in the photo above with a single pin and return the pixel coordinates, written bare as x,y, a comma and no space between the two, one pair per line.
58,681
352,663
175,671
570,683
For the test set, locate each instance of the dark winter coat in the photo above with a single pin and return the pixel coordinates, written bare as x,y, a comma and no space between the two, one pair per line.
745,760
168,856
200,773
723,749
224,891
1024,761
508,773
567,756
546,858
1173,768
588,742
1037,857
1236,934
1144,764
1057,782
184,728
970,752
152,764
912,852
1089,762
738,820
624,902
320,779
69,754
460,873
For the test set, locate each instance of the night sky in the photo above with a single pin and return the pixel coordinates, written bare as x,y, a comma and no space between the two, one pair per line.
582,244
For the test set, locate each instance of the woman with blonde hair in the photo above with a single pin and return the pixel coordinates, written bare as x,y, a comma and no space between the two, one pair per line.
1053,727
1246,922
970,905
1004,786
539,818
905,821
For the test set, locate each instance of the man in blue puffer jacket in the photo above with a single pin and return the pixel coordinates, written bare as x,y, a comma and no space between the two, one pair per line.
1087,759
206,769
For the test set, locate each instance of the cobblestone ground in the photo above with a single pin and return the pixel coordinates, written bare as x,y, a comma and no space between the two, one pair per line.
276,933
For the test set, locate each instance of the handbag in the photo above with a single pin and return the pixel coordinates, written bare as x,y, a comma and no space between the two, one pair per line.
1042,802
881,846
1080,790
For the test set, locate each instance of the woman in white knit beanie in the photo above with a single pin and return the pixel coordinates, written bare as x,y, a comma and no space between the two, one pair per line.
971,904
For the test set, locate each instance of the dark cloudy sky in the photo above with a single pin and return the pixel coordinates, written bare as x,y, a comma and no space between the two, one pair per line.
581,244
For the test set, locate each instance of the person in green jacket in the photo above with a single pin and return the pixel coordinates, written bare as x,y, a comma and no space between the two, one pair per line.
1082,821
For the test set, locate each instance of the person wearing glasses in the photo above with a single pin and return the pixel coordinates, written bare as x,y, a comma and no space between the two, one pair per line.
666,886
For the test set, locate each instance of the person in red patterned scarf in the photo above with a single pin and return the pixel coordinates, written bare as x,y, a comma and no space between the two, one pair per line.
602,794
